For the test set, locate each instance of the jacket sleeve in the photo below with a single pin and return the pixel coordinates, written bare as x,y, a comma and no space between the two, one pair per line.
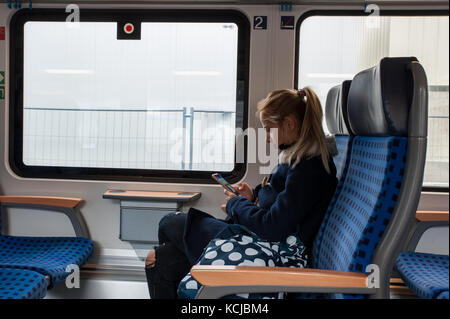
256,191
291,207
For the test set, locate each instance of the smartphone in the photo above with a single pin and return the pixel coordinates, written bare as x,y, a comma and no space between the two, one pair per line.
219,179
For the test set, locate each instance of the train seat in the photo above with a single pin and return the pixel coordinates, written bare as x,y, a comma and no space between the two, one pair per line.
21,284
443,295
425,274
336,119
335,116
367,225
48,256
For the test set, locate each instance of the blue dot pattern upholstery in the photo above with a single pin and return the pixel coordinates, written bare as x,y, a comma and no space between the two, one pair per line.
343,145
425,274
21,284
361,210
45,255
237,245
443,295
341,160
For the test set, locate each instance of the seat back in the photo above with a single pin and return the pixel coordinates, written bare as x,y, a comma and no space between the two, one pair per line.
368,219
335,116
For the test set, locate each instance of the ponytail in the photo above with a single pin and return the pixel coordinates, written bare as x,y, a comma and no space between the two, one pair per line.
312,135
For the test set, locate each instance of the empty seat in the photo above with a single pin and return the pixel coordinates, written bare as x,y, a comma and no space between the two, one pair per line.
49,256
425,274
21,284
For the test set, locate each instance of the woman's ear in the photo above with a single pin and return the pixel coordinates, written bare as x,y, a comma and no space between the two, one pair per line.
290,123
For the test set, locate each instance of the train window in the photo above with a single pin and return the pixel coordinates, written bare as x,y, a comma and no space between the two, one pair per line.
153,96
333,48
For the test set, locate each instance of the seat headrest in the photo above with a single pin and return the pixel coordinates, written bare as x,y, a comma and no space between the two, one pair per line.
379,99
336,109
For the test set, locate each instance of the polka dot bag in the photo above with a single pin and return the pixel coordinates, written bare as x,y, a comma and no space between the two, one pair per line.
236,245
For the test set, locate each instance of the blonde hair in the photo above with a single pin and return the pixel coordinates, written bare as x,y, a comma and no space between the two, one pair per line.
305,107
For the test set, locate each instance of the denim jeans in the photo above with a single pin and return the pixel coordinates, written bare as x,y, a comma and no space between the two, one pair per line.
171,262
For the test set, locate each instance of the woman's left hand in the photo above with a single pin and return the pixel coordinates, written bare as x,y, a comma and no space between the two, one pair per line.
229,194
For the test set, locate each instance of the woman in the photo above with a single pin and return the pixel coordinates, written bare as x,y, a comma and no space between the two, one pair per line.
292,201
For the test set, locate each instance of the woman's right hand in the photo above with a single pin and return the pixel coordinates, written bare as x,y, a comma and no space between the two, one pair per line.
245,190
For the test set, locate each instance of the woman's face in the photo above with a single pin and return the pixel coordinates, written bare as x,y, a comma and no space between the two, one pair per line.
274,133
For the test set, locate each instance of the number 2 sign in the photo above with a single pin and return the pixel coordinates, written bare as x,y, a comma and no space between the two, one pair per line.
260,22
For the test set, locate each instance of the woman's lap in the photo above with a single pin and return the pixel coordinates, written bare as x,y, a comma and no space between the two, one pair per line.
181,237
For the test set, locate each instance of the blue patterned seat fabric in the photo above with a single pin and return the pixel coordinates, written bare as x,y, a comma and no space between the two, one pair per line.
443,295
336,122
377,114
425,274
21,284
45,255
343,145
359,213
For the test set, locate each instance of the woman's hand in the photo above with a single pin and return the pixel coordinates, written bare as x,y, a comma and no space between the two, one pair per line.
243,189
229,194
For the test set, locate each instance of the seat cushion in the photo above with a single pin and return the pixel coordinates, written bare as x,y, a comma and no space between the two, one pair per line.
443,295
46,255
425,274
21,284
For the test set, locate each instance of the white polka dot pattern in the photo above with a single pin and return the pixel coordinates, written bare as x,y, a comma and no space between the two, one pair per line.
236,245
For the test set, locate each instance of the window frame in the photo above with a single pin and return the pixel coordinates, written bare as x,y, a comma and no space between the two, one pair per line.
16,67
352,12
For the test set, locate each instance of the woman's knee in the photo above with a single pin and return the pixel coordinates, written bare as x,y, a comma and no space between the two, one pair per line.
166,220
171,225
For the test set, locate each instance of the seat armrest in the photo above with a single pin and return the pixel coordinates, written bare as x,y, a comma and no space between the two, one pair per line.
66,205
424,220
66,202
250,275
431,216
219,281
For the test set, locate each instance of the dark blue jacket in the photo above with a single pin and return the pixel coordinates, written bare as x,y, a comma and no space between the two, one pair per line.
294,201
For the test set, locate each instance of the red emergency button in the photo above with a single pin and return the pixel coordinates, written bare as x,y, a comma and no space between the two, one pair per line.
128,28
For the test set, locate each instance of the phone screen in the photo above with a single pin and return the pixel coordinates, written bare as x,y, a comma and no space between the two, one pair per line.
223,182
